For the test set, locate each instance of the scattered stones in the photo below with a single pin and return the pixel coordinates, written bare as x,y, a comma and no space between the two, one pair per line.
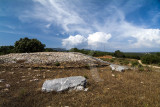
62,84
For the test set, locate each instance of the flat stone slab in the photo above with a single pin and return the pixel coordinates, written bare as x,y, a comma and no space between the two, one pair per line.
62,84
119,68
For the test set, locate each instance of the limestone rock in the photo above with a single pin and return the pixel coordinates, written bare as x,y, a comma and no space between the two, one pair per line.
62,84
118,68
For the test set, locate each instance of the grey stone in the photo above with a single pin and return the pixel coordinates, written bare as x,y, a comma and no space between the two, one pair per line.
62,84
1,80
119,68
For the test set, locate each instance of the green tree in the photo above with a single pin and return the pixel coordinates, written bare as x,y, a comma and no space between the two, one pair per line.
28,45
6,49
119,54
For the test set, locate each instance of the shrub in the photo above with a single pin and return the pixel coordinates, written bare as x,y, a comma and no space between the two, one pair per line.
57,64
134,63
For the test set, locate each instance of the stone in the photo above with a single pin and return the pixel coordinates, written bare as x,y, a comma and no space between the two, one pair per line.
119,68
7,85
62,84
1,80
79,88
86,89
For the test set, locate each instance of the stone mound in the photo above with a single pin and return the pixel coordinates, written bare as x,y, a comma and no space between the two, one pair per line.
50,59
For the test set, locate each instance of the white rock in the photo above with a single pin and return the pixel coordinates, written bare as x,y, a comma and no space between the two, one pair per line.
1,80
86,89
62,84
79,88
118,68
7,85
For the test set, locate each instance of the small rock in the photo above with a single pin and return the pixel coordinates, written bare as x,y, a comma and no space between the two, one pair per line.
6,89
23,79
29,68
23,76
1,80
11,72
118,68
35,79
7,85
113,75
38,75
79,88
86,89
3,71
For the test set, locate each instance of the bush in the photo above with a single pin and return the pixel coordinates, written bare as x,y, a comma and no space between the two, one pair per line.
28,45
57,64
134,63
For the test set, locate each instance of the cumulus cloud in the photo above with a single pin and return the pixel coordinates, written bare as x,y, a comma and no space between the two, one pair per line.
98,38
147,38
73,41
93,40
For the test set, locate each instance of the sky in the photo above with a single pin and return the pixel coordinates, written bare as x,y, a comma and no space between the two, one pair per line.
106,25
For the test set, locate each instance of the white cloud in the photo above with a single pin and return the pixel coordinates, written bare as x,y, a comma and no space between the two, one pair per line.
98,38
93,40
73,41
147,38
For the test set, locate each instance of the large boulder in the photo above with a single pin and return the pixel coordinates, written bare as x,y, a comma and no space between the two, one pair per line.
62,84
119,68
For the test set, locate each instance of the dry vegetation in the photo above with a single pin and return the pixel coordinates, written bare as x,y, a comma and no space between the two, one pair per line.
131,88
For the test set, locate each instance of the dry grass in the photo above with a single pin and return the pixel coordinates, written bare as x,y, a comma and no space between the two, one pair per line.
128,89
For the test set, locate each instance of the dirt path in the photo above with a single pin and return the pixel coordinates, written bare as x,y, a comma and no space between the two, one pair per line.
148,65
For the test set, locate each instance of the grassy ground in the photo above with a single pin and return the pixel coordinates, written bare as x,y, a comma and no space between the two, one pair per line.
128,89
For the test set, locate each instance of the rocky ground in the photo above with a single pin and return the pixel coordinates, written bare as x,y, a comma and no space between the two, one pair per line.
21,82
50,59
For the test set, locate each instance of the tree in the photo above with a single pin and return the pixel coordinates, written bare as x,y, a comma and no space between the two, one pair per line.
6,49
28,45
119,54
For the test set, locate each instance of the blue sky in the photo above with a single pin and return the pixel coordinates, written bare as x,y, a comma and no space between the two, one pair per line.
107,25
